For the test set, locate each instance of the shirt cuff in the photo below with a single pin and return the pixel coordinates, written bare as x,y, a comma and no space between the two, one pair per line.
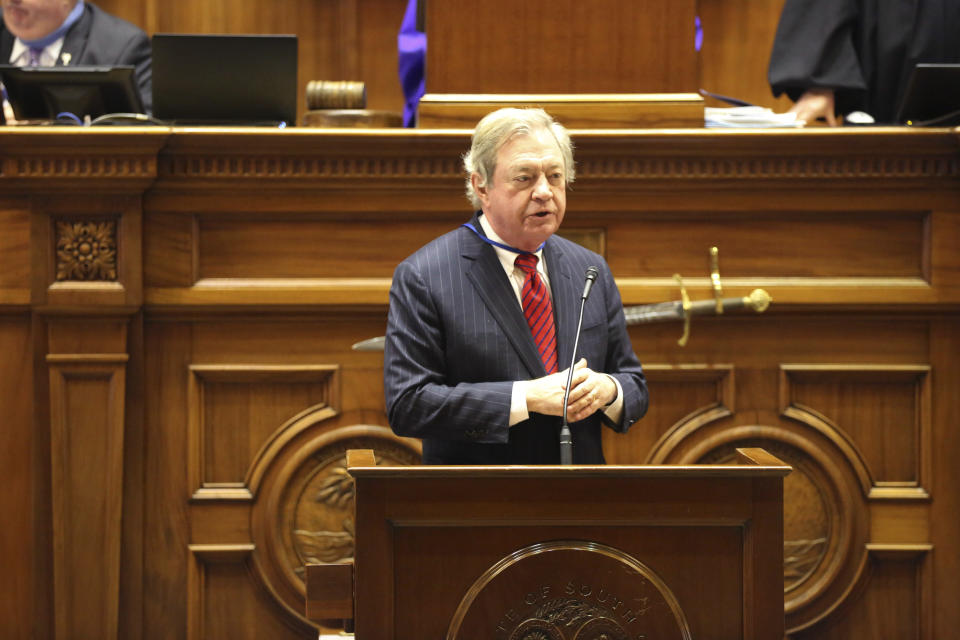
518,403
614,410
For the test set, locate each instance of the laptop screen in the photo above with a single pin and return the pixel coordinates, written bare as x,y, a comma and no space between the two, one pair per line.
225,79
932,97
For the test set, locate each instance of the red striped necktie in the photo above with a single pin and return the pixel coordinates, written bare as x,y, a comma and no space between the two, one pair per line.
538,311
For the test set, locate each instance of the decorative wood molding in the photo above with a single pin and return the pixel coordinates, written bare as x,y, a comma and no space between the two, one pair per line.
134,155
86,250
223,493
87,358
721,375
88,166
304,510
323,376
881,492
899,522
916,376
81,159
203,555
284,167
899,551
634,168
885,167
222,552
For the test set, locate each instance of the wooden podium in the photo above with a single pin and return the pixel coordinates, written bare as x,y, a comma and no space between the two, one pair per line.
563,553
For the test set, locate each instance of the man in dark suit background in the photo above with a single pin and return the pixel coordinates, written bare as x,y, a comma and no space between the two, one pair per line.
462,368
73,33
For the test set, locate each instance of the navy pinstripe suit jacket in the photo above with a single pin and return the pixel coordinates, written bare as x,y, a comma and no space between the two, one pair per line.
457,340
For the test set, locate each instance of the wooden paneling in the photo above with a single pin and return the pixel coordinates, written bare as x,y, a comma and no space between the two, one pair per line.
779,244
235,410
87,423
18,540
229,610
561,46
247,249
166,523
357,40
15,246
943,572
883,409
889,609
737,41
266,255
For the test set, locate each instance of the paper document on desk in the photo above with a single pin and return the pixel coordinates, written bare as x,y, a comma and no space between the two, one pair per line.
754,117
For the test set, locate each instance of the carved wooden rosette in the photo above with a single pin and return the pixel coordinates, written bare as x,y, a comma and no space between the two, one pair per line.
86,250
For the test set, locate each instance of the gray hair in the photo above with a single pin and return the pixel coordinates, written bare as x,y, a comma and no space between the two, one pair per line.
498,127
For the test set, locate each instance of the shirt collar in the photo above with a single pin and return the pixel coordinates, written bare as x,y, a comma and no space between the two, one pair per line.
20,53
507,258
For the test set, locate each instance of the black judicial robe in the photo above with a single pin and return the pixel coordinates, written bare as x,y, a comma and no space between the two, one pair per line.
863,49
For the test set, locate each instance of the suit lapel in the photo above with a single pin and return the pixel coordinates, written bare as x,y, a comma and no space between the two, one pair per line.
75,41
6,45
566,300
483,269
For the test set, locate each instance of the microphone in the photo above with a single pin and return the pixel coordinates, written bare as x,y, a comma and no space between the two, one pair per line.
566,438
591,276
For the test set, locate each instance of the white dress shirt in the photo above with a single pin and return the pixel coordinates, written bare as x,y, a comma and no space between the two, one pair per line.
518,399
20,54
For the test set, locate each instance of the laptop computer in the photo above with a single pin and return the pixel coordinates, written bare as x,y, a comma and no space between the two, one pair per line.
932,97
225,79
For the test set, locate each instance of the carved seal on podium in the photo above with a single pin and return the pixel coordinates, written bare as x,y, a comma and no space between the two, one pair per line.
569,590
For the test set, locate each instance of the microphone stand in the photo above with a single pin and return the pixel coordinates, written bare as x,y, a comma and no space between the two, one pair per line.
566,438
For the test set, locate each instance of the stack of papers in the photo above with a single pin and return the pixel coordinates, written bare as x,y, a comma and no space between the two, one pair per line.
755,117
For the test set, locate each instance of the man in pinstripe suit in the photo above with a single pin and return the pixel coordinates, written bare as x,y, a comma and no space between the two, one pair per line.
462,368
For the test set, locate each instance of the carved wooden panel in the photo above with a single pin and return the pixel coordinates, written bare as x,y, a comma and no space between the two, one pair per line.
15,249
263,249
263,425
604,46
18,441
885,410
690,393
836,245
855,433
86,250
302,512
87,425
235,410
246,249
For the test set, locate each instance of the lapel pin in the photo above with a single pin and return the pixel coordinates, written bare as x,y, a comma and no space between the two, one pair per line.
65,58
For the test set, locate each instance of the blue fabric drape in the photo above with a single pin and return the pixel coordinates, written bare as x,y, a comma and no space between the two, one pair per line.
412,49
